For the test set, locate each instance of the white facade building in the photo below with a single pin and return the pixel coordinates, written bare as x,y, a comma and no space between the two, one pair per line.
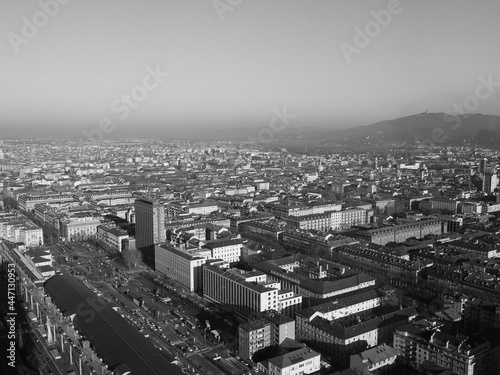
298,362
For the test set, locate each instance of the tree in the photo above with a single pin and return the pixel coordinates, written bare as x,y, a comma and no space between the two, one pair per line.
131,257
10,203
319,251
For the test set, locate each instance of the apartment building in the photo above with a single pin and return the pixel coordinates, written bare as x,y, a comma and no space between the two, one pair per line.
31,235
314,279
475,284
321,222
27,201
261,185
236,221
227,250
181,265
474,248
399,232
111,237
79,226
201,208
298,362
17,228
243,190
246,292
341,340
314,208
464,355
376,360
107,196
268,331
176,208
219,221
254,336
282,328
466,207
343,308
480,316
445,204
269,228
350,217
398,271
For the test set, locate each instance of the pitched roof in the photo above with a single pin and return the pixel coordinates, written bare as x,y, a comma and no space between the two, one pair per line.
297,356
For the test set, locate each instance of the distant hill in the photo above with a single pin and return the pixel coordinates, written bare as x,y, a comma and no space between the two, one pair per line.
441,128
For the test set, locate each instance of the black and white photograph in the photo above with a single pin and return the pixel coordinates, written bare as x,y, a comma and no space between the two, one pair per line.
250,187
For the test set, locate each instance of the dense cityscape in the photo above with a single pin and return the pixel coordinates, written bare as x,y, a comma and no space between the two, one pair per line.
250,187
144,256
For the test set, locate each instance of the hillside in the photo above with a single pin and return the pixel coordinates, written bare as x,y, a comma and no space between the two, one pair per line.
476,129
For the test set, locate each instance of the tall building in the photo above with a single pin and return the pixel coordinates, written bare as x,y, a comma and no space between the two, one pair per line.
483,163
490,182
271,330
254,336
149,227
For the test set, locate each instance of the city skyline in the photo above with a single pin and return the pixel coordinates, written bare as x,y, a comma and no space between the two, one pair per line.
171,257
332,64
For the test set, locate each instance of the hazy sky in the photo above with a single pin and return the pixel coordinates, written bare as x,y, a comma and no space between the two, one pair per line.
233,65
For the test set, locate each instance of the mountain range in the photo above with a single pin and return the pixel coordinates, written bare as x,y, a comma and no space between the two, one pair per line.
424,128
429,128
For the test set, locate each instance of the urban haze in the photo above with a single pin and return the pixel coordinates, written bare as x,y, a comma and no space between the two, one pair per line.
250,187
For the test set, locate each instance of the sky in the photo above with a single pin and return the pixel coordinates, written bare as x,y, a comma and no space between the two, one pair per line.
118,68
